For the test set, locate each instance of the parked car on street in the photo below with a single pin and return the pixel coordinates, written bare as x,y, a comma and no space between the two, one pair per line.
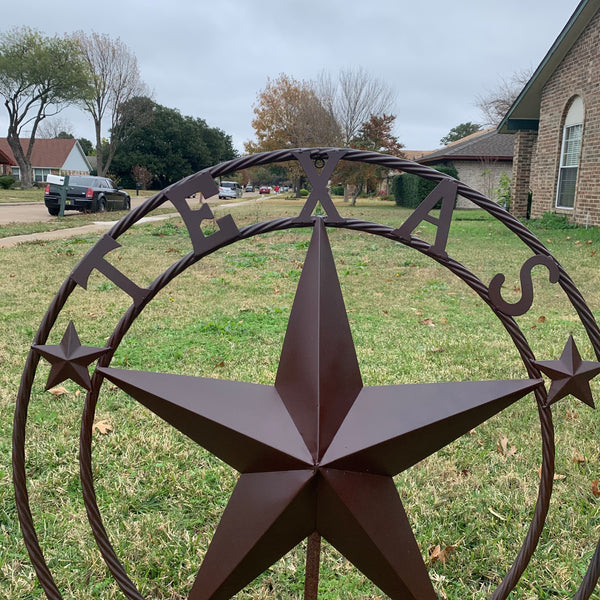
249,188
87,193
230,189
264,189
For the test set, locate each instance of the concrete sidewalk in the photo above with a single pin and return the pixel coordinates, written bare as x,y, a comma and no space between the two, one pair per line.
95,227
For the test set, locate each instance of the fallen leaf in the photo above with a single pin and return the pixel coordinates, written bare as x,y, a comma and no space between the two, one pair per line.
504,449
541,319
595,489
59,391
589,242
572,414
568,237
436,350
594,252
221,364
428,322
578,458
102,427
548,239
516,289
443,320
438,554
77,393
12,275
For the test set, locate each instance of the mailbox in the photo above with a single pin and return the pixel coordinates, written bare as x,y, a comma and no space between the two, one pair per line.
55,179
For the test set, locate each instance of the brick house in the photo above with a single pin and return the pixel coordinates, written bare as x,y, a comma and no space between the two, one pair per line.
56,156
556,124
479,158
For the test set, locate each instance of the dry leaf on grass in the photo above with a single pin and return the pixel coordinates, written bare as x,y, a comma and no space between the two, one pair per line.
578,458
428,322
541,319
437,553
504,449
102,427
595,489
59,391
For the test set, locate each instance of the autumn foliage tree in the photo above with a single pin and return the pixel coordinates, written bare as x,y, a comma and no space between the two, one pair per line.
288,114
374,135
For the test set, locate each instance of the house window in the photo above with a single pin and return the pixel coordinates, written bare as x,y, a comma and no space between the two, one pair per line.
569,155
16,173
40,174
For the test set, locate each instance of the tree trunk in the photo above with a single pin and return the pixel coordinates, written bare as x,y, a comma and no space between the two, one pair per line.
357,190
26,173
346,192
99,158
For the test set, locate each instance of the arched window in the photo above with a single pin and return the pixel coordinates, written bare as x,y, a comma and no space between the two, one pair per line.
569,155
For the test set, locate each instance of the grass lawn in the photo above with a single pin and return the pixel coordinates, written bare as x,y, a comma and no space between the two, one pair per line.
225,317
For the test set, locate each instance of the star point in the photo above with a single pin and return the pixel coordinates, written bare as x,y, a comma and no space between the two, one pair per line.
569,375
69,359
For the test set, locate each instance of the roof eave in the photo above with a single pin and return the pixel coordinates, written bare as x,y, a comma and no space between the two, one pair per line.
526,108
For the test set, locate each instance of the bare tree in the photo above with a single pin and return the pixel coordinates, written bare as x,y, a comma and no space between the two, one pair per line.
496,103
53,127
117,80
353,98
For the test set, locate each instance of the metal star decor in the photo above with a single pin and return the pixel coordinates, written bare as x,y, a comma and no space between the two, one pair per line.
317,451
570,375
69,359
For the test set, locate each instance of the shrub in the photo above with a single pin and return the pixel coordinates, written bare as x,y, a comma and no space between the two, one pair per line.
303,192
337,190
410,190
551,220
6,182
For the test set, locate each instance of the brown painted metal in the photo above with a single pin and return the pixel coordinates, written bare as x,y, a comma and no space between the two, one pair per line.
322,464
570,375
326,485
526,301
69,359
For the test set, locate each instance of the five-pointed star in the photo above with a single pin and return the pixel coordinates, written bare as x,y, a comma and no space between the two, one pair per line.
317,451
69,359
569,375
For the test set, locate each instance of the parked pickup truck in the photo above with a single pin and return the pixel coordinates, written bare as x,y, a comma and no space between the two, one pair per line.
87,193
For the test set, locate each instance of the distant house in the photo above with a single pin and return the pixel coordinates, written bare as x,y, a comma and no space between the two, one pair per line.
556,125
6,164
479,158
56,156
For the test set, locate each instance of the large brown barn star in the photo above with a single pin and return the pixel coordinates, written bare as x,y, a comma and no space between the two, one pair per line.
317,451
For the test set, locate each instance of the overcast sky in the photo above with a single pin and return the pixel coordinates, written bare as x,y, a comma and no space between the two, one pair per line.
211,59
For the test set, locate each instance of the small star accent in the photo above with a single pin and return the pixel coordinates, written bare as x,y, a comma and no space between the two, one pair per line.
69,359
569,375
317,452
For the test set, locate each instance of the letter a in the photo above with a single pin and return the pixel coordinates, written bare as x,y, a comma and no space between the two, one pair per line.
446,192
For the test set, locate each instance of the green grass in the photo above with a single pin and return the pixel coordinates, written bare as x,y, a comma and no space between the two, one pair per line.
161,496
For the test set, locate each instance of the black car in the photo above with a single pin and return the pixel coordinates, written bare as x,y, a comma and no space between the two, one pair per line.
87,193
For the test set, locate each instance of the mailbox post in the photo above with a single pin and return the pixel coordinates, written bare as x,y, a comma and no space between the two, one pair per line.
63,183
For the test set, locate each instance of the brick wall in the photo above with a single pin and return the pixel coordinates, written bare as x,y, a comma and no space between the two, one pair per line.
481,175
577,75
520,185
